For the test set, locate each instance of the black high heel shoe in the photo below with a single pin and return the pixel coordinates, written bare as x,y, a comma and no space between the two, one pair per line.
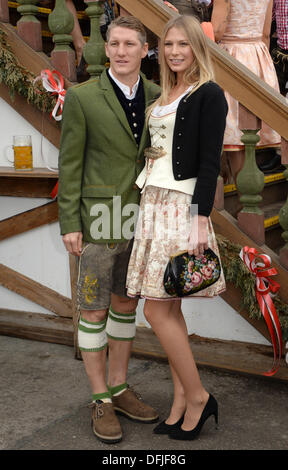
163,428
211,408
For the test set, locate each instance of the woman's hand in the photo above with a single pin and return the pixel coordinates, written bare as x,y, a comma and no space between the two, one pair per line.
198,238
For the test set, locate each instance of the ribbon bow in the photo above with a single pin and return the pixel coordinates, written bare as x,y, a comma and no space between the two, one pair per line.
53,82
264,286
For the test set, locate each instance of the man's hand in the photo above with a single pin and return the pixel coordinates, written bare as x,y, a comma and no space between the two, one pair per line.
73,243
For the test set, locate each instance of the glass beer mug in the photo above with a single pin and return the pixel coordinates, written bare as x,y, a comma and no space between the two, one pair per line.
22,147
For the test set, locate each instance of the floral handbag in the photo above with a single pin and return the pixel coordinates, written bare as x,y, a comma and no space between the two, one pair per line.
187,274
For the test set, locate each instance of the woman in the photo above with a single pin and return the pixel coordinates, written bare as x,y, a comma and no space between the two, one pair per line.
242,29
186,125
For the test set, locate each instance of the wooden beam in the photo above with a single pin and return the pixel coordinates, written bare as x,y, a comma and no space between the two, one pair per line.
224,224
36,326
36,292
41,121
28,220
230,356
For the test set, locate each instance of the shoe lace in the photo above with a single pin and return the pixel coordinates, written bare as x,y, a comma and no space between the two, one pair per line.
137,394
98,409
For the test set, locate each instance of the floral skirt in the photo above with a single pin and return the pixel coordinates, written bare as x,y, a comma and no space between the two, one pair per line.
163,228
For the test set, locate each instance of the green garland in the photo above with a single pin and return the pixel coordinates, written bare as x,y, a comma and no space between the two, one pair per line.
19,80
236,272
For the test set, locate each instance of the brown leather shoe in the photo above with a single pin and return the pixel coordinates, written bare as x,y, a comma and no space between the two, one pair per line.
105,423
130,404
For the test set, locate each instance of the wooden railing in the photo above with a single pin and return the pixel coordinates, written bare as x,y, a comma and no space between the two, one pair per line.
259,102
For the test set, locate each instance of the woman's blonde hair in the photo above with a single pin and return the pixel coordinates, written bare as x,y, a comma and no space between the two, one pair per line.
201,70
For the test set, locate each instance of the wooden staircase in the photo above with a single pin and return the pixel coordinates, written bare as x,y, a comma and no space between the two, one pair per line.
257,100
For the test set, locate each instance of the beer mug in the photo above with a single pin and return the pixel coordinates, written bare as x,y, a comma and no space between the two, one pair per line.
22,147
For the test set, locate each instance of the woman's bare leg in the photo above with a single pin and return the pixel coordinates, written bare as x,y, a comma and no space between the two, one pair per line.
168,326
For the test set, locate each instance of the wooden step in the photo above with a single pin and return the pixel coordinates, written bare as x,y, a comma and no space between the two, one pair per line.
273,230
275,189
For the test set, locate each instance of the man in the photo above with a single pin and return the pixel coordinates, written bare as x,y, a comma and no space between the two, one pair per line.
101,155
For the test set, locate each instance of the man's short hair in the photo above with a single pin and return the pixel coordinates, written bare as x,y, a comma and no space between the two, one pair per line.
129,22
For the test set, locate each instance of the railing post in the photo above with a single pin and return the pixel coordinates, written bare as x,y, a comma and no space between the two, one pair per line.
61,23
94,49
4,11
250,180
29,27
283,214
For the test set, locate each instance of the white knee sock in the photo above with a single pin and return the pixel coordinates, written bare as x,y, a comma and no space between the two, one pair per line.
121,326
91,335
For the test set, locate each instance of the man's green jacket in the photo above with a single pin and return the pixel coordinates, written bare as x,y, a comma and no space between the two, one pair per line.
99,161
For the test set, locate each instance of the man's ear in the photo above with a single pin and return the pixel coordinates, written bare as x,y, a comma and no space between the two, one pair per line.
145,50
106,49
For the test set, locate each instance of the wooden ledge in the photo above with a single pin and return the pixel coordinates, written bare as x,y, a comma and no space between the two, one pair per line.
38,182
10,172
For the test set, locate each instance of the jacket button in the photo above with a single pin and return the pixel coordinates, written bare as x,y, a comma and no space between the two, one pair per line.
178,148
182,118
177,163
179,176
180,134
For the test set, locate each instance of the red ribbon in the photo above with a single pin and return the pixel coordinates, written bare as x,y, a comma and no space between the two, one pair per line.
54,191
265,285
53,82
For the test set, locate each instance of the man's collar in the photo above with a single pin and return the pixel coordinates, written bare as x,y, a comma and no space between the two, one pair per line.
124,88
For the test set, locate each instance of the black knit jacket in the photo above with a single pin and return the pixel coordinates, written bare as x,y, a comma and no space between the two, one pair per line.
198,142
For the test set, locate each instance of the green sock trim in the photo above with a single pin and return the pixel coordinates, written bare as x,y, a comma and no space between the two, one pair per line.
99,396
91,330
117,388
120,320
120,339
122,314
93,349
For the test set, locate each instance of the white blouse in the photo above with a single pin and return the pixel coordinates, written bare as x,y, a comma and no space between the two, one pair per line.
159,172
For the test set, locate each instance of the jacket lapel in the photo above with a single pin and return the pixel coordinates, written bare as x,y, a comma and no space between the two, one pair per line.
114,104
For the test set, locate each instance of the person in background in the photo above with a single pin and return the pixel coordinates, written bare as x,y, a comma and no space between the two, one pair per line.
242,28
280,53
